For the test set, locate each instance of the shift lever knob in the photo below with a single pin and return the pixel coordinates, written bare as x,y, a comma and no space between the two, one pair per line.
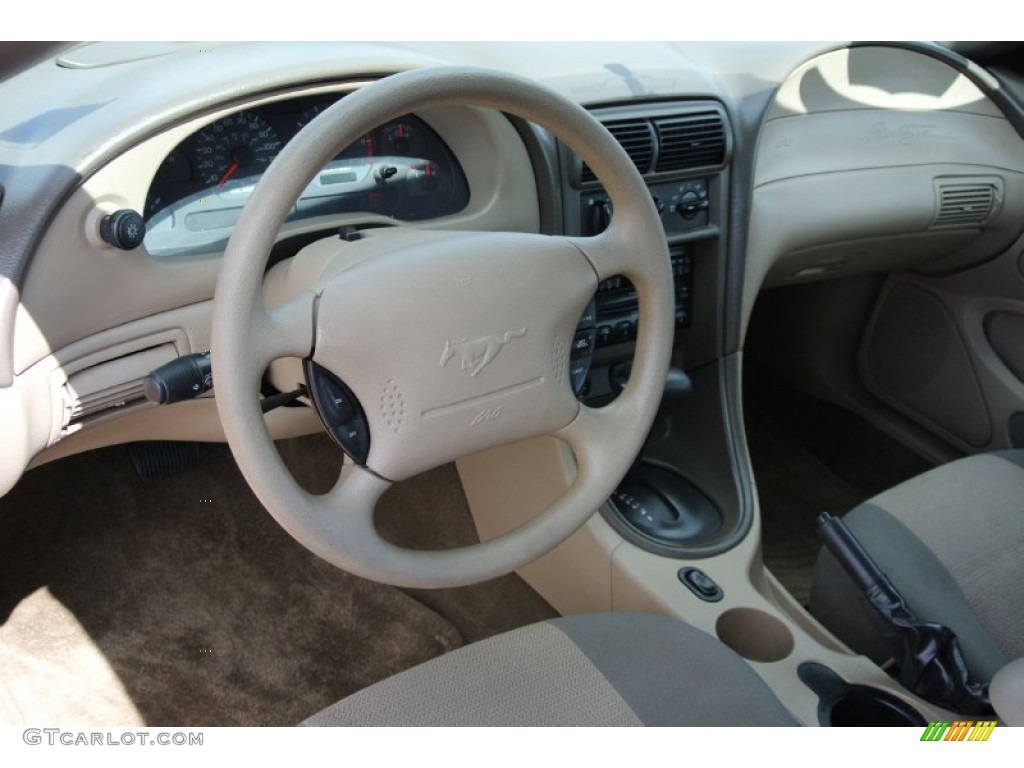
677,388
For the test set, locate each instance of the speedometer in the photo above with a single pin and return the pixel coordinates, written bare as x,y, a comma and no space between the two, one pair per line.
235,150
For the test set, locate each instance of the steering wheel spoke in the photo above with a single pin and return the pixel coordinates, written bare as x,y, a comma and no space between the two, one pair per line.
609,253
283,331
342,517
588,435
349,505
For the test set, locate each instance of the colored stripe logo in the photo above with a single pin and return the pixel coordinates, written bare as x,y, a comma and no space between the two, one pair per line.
961,730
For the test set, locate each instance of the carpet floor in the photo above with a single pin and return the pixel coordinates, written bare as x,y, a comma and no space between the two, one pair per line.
811,457
179,601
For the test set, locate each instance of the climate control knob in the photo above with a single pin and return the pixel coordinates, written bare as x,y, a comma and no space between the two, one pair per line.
690,204
600,216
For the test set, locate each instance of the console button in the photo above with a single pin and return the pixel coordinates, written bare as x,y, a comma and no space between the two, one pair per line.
583,343
702,585
604,335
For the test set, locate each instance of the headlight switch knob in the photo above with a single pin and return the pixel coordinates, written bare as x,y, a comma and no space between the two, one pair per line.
124,229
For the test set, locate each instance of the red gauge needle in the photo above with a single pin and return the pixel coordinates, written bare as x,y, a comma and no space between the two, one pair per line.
227,175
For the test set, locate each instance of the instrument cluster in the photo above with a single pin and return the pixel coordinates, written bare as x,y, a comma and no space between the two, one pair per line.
401,169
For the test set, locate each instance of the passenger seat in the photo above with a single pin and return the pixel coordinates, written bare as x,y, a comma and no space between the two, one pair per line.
952,542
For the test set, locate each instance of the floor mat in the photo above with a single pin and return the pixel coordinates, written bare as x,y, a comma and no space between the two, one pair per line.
794,487
811,457
179,601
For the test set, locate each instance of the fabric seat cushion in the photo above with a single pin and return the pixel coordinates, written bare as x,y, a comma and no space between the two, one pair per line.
618,669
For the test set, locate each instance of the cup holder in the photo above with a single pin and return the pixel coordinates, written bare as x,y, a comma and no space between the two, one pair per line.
841,704
754,634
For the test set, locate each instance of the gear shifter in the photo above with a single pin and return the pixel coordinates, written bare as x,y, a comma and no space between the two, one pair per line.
654,499
678,388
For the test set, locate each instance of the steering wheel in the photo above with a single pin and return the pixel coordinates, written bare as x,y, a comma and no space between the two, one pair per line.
442,343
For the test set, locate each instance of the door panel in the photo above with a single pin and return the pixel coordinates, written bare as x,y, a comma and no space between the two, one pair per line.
948,352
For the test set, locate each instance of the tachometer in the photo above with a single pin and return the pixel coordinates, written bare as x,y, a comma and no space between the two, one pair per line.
361,151
235,150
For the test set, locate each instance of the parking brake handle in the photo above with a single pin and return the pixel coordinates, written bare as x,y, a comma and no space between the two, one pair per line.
930,661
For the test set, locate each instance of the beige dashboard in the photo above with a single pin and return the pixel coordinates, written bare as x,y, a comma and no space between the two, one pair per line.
854,157
880,159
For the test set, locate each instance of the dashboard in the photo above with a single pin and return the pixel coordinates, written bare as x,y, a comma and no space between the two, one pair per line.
789,175
401,170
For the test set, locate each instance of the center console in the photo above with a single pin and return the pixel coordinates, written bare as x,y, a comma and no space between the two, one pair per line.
669,503
682,150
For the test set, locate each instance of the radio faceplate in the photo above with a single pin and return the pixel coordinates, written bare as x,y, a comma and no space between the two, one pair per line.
617,302
611,322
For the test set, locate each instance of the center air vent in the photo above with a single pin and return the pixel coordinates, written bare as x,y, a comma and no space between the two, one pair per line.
690,141
636,137
965,204
669,140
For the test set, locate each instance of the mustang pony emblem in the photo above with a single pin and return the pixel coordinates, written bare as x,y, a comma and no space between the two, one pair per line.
478,353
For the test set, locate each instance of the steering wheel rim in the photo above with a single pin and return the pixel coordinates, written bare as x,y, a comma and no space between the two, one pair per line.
247,336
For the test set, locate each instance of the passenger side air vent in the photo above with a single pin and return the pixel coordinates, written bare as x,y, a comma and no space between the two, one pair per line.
636,137
964,205
690,141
